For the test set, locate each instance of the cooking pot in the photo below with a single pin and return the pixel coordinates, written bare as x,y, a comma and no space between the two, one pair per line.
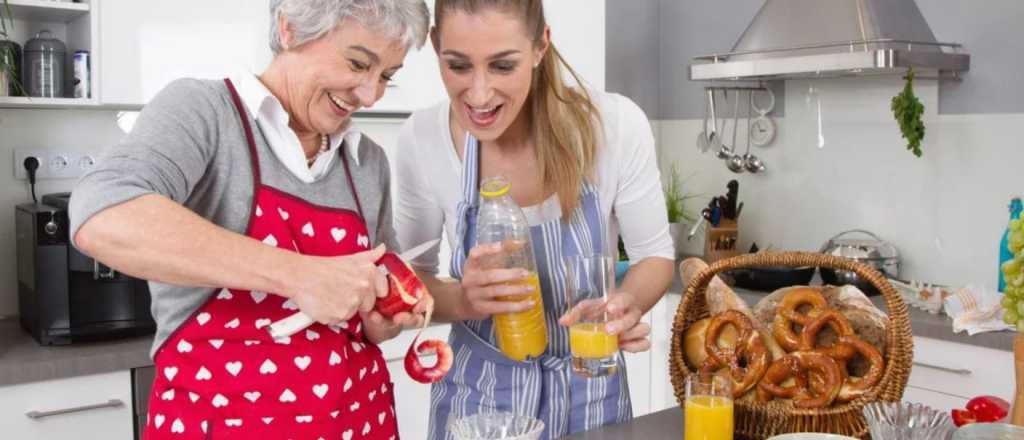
868,249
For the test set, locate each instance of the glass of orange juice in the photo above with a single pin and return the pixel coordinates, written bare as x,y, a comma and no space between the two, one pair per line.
708,407
590,282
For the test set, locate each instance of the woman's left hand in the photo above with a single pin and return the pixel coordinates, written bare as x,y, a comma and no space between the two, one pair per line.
379,329
624,320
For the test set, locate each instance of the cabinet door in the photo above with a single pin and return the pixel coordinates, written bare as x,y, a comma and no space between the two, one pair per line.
147,44
97,406
638,374
662,393
959,370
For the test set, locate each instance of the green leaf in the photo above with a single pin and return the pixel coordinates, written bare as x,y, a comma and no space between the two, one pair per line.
907,110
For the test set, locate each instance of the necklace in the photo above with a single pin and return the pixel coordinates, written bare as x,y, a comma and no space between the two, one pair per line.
324,140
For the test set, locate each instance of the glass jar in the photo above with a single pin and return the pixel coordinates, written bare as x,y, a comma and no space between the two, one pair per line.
44,66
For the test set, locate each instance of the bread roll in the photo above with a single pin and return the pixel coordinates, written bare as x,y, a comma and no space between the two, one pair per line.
693,341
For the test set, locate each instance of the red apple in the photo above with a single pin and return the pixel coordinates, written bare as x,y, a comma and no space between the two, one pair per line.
404,288
962,417
988,408
432,374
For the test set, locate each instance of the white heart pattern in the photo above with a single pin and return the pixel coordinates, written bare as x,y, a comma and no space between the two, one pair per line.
270,240
381,417
184,346
334,414
290,305
366,428
347,435
251,342
268,367
338,234
234,323
363,241
312,335
284,214
168,395
335,358
267,420
233,422
158,420
216,343
362,373
320,390
259,211
303,419
177,427
383,388
372,395
233,367
252,396
337,328
308,229
348,385
193,397
303,362
225,294
170,372
220,401
284,340
203,318
287,396
260,323
203,374
203,426
357,347
375,368
354,407
258,296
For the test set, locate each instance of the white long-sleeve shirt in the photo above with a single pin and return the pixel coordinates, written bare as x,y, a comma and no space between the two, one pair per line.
428,176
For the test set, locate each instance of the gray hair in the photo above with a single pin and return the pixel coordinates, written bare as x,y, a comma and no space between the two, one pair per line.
406,20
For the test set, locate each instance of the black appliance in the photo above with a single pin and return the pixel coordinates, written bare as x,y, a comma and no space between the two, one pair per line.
64,296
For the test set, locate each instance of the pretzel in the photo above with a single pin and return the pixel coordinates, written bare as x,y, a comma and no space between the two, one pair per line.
854,387
830,378
789,313
749,347
780,371
839,324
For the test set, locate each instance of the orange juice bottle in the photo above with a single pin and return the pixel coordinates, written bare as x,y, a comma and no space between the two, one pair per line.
519,335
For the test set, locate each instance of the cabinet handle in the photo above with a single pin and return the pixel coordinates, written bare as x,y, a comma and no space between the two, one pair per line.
112,403
958,371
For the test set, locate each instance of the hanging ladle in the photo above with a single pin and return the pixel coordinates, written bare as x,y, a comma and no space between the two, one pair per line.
750,161
709,140
733,161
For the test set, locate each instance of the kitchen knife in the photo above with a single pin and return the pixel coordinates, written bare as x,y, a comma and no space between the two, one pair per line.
299,321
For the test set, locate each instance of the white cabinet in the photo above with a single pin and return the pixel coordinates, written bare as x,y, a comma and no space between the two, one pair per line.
638,374
147,44
97,406
662,394
946,374
412,399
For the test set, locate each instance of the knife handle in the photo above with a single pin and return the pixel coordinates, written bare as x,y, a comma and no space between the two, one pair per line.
290,325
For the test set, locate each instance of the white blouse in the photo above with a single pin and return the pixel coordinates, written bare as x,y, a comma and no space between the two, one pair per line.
428,176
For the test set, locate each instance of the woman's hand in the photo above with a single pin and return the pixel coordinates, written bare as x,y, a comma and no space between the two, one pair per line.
484,289
624,321
333,289
379,329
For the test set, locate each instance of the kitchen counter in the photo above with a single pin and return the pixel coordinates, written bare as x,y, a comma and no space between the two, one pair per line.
922,323
665,424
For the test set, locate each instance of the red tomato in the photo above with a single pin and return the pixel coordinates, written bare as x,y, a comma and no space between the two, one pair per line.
988,408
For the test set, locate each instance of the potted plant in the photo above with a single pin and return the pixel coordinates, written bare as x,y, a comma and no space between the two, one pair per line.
8,53
678,217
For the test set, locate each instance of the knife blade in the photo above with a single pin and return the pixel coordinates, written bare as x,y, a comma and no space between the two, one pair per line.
299,321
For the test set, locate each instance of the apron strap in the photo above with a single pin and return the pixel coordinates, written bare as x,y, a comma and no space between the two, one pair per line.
351,183
253,155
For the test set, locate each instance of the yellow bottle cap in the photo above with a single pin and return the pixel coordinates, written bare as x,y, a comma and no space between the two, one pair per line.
495,187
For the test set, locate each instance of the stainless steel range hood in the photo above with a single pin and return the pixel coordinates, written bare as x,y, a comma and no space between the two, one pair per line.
832,38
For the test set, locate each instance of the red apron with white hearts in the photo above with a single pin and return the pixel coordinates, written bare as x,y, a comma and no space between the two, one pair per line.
221,375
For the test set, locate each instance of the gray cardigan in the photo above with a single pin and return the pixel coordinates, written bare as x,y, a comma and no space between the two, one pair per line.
188,144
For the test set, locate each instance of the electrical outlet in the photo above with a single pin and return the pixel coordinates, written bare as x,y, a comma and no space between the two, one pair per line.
54,164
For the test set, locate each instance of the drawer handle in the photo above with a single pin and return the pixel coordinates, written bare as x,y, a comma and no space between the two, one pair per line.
957,371
112,403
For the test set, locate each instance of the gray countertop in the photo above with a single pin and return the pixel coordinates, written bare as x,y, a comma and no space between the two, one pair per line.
665,424
22,360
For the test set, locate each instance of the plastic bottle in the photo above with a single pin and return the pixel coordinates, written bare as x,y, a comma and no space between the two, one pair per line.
1004,246
521,335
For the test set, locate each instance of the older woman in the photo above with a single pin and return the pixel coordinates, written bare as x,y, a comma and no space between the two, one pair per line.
248,198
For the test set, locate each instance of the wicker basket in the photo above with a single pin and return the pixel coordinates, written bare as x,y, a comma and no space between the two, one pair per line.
756,420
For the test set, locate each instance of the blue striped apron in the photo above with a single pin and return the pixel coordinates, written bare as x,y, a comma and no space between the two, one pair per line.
482,379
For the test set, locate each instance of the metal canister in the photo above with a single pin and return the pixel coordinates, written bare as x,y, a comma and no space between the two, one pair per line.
44,66
81,80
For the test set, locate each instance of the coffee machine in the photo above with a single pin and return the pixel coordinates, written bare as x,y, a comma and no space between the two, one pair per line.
64,296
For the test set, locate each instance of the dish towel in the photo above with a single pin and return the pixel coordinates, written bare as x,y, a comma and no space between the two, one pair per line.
976,310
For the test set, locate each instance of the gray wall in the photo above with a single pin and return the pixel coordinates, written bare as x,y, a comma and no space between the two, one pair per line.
647,36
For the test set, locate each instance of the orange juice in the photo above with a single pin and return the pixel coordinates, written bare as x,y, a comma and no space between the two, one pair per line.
708,418
524,334
590,341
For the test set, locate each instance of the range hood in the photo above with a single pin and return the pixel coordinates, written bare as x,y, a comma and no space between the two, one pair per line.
833,38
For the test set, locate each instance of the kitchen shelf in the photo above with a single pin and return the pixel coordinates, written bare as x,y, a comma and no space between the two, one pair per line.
46,10
47,103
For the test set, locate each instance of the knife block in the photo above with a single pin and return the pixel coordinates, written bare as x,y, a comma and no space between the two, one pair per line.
720,241
1017,417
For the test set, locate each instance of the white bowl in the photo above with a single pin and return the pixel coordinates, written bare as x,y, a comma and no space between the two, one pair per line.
989,431
810,436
